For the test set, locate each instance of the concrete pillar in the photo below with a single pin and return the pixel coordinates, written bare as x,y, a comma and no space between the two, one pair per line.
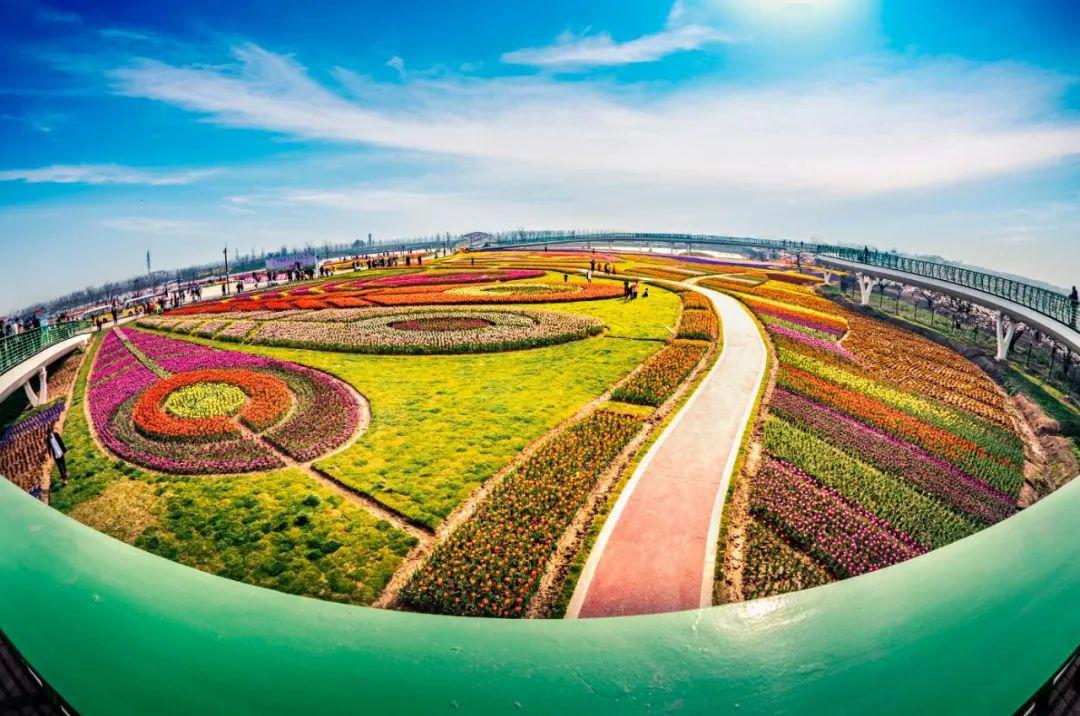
866,288
1004,329
42,395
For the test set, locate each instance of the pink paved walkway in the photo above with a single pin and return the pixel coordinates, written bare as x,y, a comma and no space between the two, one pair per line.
657,550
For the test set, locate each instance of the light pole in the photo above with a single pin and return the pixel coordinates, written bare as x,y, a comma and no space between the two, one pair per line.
225,251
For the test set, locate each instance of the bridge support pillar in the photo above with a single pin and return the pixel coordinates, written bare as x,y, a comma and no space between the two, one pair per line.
866,288
42,395
1004,330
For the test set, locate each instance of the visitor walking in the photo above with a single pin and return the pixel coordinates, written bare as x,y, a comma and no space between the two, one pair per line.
565,278
55,445
626,290
588,276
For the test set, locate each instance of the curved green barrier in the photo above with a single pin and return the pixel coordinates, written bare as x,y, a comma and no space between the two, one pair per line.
975,627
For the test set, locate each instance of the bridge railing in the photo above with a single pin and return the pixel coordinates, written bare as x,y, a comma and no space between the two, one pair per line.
1044,301
15,349
1049,303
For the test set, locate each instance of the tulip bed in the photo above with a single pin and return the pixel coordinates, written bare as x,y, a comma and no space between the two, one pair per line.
22,446
430,330
698,319
530,293
492,565
377,288
772,565
183,408
846,538
876,449
658,378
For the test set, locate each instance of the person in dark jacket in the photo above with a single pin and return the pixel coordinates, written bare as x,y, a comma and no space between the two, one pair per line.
57,450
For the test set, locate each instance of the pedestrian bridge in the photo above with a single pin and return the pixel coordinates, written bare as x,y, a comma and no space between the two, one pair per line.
29,354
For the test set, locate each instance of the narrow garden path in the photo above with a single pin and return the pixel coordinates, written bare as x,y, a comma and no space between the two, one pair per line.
657,550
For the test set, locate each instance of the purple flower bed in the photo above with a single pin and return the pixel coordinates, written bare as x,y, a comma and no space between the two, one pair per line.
48,416
324,416
811,341
845,537
929,473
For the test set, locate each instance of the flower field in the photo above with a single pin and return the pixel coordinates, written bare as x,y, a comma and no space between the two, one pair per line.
441,424
405,287
183,408
698,318
879,445
661,374
492,565
22,446
420,330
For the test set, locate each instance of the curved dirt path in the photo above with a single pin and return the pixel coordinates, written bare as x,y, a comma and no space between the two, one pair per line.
657,550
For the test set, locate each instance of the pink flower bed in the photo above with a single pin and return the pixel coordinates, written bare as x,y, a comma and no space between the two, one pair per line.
811,341
844,536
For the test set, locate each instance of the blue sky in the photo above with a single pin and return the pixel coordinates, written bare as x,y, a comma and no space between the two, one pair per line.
950,128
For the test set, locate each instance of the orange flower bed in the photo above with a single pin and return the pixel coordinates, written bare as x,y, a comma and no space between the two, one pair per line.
944,444
268,399
694,301
920,365
441,295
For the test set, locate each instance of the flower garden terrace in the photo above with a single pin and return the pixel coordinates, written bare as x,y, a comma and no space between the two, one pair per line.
460,438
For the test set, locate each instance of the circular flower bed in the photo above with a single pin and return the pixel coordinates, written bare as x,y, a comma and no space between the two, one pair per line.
517,289
264,400
440,324
205,400
188,409
432,330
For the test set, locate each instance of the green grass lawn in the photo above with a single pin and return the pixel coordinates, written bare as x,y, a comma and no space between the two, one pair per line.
277,530
441,425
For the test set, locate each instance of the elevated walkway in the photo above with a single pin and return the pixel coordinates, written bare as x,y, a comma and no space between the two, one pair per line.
1018,313
19,374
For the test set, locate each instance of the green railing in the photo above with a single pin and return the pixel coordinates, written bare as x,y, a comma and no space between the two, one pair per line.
15,349
1043,301
1052,304
975,627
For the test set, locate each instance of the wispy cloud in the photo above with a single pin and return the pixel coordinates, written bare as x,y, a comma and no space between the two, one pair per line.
124,34
398,65
876,127
600,50
102,174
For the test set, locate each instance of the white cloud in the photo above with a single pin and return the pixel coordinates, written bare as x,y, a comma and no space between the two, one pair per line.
579,52
398,65
878,127
102,174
